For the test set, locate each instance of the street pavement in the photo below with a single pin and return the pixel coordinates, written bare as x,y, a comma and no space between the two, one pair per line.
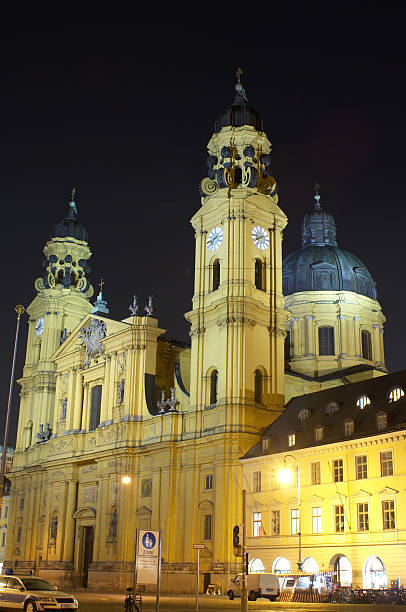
98,602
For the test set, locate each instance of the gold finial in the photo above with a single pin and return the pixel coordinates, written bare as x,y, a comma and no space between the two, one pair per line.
238,74
101,285
19,310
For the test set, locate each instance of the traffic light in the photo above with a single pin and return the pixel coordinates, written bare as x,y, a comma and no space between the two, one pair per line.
236,536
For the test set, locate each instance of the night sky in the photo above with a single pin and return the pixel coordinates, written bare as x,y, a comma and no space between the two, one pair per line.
121,104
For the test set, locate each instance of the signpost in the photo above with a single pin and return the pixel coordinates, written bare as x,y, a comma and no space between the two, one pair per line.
148,560
198,547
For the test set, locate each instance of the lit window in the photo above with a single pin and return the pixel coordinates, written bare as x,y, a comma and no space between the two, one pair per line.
315,473
332,407
366,345
386,463
338,470
275,522
382,420
388,514
256,482
361,467
294,521
348,428
208,481
339,519
363,518
326,341
266,445
316,520
363,401
396,394
257,524
303,415
207,526
291,439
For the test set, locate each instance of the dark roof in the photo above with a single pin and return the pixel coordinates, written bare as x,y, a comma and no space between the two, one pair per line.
343,399
70,227
239,113
320,264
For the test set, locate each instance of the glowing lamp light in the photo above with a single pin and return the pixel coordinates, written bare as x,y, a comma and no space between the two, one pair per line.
126,479
285,475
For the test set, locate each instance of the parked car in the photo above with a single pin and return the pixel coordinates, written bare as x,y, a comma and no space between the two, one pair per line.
258,585
32,594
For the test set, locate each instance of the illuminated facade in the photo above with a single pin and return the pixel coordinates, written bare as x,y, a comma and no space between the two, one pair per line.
347,445
102,399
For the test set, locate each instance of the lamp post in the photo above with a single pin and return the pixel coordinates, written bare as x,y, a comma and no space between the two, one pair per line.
19,310
285,475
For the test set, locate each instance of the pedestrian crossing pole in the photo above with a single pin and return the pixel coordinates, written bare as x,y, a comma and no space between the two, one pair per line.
244,594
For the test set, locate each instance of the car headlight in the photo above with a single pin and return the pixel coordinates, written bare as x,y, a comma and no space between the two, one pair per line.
75,602
48,599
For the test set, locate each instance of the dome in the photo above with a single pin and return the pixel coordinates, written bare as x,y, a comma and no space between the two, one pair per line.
320,265
70,226
239,113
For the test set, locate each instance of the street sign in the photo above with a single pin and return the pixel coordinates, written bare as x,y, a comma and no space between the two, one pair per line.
147,556
198,546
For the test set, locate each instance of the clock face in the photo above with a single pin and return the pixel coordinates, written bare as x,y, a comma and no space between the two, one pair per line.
214,239
260,237
39,328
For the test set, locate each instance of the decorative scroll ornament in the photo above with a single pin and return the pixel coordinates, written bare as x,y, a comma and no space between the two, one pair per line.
91,336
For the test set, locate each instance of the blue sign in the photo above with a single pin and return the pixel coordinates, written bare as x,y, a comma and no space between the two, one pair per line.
148,540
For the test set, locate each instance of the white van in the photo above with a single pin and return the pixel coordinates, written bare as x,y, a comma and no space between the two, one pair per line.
258,585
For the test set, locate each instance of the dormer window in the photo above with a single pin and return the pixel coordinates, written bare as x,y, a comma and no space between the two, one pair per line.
363,401
348,427
319,433
396,393
291,439
332,407
381,420
303,415
266,445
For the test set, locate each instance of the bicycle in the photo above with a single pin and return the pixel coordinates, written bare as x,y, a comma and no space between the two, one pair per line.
132,603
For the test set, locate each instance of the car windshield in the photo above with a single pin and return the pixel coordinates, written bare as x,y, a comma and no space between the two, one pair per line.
36,584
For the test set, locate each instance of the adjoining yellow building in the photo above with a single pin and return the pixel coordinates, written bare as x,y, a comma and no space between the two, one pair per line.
345,450
102,399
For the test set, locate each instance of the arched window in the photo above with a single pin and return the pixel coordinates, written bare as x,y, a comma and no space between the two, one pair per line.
213,386
366,345
259,274
258,386
95,405
216,274
280,565
326,340
396,393
363,401
256,566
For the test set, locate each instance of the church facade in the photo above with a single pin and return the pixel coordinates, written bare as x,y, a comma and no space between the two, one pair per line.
121,428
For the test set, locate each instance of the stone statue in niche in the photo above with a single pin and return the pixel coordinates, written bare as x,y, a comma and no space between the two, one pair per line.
54,528
64,408
121,387
113,526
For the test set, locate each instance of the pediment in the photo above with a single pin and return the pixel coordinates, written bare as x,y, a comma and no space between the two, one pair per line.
206,505
257,507
73,341
291,501
85,512
361,494
143,510
314,499
387,491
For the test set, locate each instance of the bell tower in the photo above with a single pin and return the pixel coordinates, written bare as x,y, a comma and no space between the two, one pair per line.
62,301
238,319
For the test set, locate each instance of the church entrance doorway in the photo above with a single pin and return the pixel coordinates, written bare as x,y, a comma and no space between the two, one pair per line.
87,553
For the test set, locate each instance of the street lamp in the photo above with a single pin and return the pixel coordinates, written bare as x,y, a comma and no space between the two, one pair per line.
285,475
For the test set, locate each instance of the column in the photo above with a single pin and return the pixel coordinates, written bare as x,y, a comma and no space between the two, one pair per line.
57,411
309,335
343,335
85,411
105,392
357,348
69,539
376,344
294,338
382,346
